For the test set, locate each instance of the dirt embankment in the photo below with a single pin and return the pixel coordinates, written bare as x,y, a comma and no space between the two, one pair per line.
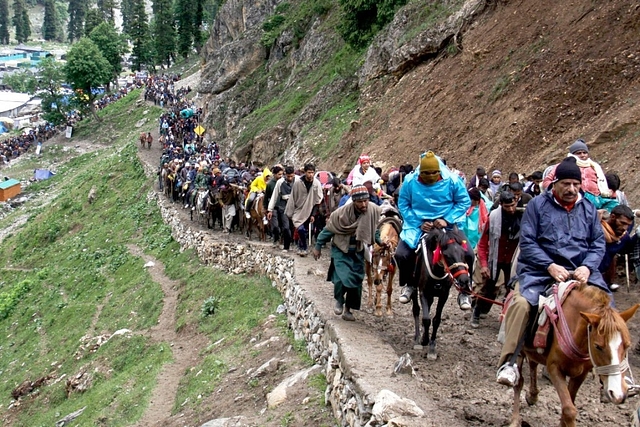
532,76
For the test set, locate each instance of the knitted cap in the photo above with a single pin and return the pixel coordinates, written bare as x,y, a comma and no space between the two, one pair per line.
568,169
359,192
429,162
496,173
579,145
364,158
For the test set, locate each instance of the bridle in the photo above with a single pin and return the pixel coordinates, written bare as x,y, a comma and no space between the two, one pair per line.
452,271
607,370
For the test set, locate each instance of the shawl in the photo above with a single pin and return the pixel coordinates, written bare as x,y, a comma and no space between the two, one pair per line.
344,223
301,201
602,180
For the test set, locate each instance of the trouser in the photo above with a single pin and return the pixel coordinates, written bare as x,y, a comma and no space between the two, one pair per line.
303,235
515,322
249,201
228,212
406,259
488,289
347,273
280,227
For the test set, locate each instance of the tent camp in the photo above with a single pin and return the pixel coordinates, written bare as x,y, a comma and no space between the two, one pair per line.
42,174
2,128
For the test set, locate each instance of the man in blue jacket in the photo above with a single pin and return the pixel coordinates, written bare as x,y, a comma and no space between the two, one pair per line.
431,196
560,232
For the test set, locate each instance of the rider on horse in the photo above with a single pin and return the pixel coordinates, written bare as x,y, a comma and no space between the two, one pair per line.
560,232
431,196
258,185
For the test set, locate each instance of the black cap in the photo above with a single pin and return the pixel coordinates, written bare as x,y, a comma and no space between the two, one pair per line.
568,169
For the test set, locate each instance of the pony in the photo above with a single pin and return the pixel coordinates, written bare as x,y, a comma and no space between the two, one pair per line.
143,139
599,339
440,264
214,208
257,213
382,266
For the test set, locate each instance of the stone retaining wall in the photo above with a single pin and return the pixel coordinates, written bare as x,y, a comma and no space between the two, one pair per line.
351,405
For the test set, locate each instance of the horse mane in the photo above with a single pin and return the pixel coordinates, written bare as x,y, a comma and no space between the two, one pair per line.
444,237
610,322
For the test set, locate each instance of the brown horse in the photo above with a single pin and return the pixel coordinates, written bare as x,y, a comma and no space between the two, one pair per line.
601,339
257,218
383,263
143,139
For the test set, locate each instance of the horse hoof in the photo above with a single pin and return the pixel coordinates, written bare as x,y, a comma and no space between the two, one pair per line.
432,355
378,313
417,347
531,400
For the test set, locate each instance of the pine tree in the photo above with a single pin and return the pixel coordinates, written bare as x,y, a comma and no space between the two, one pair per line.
185,21
139,35
198,38
50,28
126,9
77,13
107,8
92,20
163,32
4,21
21,21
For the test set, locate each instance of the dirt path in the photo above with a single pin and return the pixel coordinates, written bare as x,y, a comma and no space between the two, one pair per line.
184,346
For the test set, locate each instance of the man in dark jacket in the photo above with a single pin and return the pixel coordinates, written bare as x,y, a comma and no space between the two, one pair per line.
560,232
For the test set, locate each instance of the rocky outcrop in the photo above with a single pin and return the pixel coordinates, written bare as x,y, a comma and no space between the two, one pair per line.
395,51
234,50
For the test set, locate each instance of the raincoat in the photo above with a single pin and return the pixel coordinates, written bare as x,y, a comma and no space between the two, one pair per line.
447,199
259,184
549,234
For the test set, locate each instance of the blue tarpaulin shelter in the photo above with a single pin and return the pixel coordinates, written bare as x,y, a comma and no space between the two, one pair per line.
42,174
2,128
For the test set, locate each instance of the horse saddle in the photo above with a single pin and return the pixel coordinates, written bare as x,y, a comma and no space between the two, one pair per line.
547,312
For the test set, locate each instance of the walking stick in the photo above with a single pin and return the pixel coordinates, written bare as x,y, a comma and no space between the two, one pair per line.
626,270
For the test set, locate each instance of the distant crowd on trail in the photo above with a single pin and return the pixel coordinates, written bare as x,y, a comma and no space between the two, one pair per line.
12,147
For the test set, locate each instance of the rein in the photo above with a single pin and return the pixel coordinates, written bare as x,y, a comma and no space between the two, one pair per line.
563,332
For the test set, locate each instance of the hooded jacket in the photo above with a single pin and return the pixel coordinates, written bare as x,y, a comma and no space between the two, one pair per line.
260,184
447,199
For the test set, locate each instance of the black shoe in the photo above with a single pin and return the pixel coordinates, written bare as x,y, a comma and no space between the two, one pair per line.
348,316
405,297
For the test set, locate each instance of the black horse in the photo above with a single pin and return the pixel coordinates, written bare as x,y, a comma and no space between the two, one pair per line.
440,263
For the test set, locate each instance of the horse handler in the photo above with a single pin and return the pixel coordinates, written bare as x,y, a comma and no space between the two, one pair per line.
352,227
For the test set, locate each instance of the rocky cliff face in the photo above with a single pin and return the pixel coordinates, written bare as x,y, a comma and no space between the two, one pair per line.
493,83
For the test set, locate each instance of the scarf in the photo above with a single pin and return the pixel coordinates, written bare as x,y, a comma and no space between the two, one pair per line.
344,223
602,180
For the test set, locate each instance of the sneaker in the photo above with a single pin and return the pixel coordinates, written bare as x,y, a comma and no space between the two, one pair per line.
464,301
508,375
337,309
303,253
405,297
284,251
247,215
614,287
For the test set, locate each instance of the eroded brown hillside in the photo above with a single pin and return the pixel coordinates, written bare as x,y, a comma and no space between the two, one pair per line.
531,77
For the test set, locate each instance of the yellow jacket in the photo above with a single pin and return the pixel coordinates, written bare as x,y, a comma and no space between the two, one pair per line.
260,183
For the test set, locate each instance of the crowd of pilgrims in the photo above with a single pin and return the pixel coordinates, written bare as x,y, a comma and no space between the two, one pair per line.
193,164
12,147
